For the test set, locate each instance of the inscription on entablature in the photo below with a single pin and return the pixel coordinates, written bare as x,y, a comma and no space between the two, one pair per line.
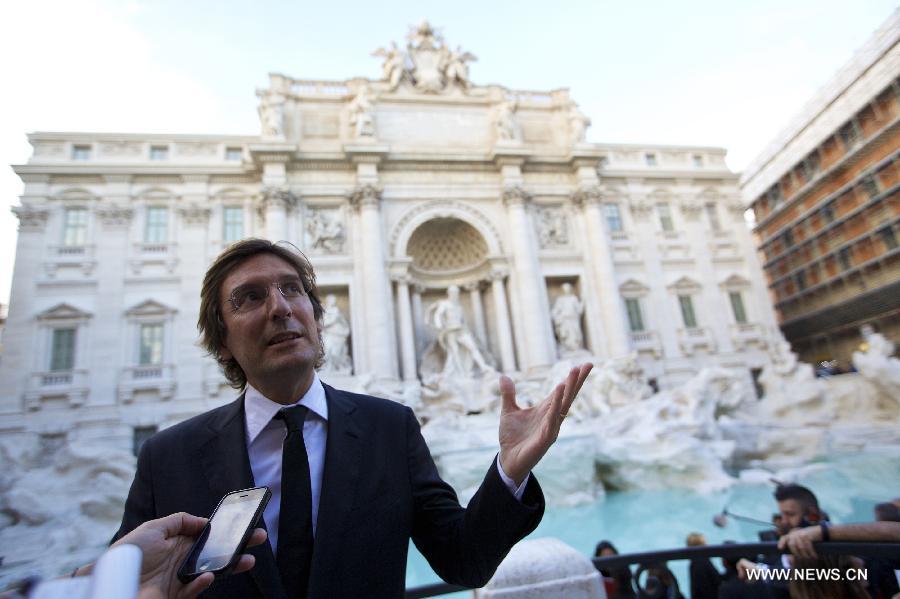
536,132
191,148
121,148
318,124
49,149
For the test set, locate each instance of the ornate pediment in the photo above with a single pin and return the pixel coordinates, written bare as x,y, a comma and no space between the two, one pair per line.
734,283
63,311
150,308
685,285
633,288
426,64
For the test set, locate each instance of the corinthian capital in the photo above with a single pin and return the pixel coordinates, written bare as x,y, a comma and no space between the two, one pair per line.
365,195
31,218
278,196
514,195
587,195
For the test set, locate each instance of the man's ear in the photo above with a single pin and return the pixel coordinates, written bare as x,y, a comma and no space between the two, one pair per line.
224,353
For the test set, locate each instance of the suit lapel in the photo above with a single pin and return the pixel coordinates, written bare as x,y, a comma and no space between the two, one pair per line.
226,464
339,481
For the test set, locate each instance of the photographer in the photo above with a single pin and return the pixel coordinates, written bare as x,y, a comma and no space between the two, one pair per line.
164,543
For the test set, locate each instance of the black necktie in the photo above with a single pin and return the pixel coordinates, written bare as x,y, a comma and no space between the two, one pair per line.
295,537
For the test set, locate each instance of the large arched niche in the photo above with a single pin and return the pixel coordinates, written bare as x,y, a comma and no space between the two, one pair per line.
447,249
412,220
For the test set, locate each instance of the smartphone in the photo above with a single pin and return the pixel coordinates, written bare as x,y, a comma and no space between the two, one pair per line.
219,546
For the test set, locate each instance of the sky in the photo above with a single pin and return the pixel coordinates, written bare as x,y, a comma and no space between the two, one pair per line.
706,72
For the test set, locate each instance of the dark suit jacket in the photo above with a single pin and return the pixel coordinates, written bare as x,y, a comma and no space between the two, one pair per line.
380,488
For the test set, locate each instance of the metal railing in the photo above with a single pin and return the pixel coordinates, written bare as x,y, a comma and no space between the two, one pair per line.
731,551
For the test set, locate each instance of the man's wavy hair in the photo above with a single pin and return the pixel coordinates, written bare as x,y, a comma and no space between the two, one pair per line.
211,324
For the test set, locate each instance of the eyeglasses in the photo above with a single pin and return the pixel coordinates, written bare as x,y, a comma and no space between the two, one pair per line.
247,298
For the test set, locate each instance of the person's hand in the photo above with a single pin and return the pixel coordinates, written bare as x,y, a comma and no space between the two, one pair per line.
800,541
743,565
527,433
164,544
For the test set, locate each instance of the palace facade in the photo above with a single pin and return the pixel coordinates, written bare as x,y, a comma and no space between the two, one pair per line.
397,189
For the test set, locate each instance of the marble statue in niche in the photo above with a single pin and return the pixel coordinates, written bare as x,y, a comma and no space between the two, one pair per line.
461,351
566,314
335,336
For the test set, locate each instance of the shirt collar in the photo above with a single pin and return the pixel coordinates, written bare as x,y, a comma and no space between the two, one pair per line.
259,410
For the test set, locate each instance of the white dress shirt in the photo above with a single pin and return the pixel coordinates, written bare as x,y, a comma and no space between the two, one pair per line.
265,437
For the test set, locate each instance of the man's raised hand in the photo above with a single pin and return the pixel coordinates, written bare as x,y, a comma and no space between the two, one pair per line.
527,433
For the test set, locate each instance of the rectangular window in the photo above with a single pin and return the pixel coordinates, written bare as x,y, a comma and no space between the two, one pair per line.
844,259
687,311
888,237
713,216
75,221
141,434
81,152
650,159
800,280
613,217
775,195
698,160
737,307
635,319
665,217
870,185
233,223
159,152
62,349
156,230
151,349
788,238
849,135
235,154
828,212
811,166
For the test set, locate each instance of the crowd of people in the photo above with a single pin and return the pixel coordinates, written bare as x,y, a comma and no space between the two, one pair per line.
799,524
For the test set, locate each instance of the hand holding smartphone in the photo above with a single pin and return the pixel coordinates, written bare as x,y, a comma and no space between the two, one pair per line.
219,546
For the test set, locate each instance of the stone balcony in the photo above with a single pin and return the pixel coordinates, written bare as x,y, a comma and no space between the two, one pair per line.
696,339
69,260
153,379
744,335
153,258
646,342
70,386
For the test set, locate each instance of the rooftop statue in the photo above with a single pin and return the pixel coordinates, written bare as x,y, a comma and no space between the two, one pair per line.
427,64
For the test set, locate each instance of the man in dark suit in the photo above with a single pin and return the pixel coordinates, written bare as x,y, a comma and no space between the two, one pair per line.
351,476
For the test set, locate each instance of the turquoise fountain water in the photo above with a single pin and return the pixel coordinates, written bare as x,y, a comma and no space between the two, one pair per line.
848,487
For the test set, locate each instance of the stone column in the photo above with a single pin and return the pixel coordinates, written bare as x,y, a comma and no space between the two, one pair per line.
601,261
474,290
407,337
532,290
275,204
504,330
418,315
380,339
